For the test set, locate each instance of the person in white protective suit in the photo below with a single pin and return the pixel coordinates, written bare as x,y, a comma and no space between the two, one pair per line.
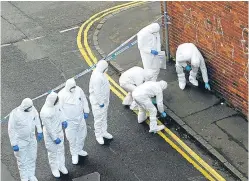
99,89
75,107
21,129
53,120
189,53
149,45
142,95
129,80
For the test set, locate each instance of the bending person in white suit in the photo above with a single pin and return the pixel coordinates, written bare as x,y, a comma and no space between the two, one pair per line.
189,53
142,95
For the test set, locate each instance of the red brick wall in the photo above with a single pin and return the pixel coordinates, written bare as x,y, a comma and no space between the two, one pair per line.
220,31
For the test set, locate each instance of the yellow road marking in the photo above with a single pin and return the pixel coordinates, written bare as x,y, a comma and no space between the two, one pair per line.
193,154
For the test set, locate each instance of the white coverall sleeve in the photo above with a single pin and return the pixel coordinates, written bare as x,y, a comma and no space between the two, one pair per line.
11,130
97,91
49,128
85,102
204,71
38,123
159,100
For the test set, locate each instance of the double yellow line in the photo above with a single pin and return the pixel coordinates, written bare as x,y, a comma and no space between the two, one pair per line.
89,57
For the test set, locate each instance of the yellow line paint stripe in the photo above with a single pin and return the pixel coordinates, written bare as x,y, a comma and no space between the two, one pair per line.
112,88
82,51
191,152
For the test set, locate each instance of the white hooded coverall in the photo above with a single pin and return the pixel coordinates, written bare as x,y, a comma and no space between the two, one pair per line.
149,39
52,118
143,94
74,104
188,52
21,129
99,89
130,79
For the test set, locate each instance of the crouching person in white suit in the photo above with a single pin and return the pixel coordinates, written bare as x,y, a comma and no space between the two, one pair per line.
129,80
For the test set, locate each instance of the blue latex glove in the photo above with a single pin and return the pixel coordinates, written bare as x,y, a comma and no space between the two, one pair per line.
64,124
57,141
154,52
207,86
102,105
85,115
188,68
163,114
40,136
15,148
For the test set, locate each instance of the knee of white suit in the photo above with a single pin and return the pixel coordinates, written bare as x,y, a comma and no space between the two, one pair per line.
141,116
128,99
179,69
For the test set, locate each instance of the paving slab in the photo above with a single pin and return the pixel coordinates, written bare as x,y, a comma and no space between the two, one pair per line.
232,151
237,128
188,101
204,118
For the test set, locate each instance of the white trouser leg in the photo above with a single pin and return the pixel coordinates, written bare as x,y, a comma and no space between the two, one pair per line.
31,159
192,76
81,136
181,76
21,158
100,119
56,153
71,134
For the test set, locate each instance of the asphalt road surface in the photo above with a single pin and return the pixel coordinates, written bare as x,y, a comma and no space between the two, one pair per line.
37,54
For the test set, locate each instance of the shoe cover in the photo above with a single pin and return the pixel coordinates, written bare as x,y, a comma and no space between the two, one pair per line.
182,85
63,170
107,135
193,81
83,153
56,173
157,128
100,140
75,159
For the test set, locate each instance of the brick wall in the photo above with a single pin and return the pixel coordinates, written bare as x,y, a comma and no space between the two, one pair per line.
220,31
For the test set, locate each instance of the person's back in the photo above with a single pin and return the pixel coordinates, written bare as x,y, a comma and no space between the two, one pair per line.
148,89
134,75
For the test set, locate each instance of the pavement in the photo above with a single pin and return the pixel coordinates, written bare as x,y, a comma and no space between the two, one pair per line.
38,54
218,128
